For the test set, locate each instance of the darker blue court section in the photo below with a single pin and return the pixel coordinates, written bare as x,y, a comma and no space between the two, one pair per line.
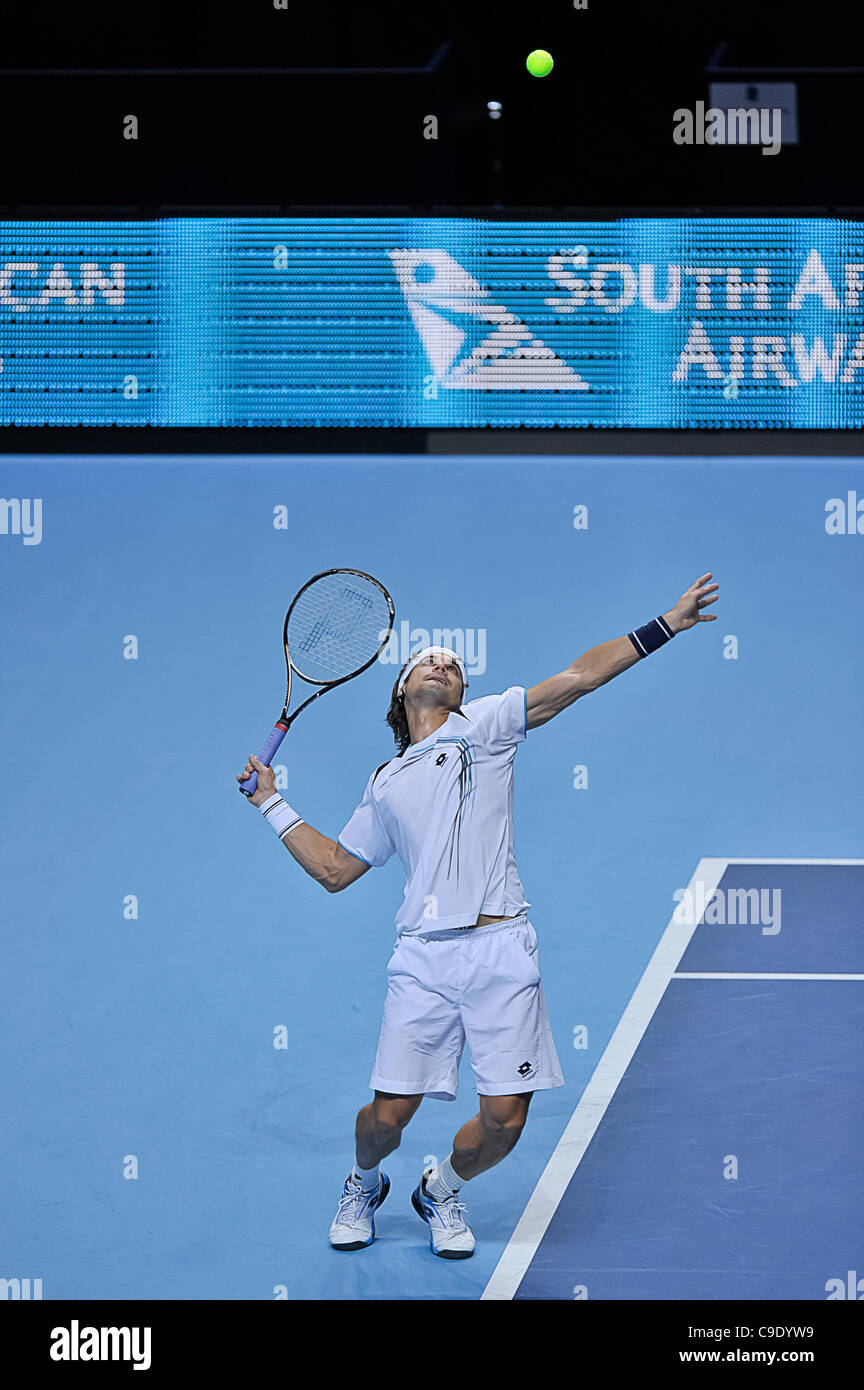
762,1077
783,918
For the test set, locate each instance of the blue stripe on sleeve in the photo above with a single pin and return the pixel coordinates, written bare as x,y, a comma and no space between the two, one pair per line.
353,855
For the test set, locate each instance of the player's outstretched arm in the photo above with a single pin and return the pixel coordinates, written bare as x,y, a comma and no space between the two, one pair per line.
323,859
599,665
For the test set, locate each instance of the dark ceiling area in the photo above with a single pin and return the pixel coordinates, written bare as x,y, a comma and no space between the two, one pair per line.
329,106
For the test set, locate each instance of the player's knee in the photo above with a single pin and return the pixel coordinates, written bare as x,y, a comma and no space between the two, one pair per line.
505,1121
393,1114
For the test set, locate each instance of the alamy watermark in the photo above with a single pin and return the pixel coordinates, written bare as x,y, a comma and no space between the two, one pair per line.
845,516
467,642
761,907
23,1289
736,126
77,1343
21,516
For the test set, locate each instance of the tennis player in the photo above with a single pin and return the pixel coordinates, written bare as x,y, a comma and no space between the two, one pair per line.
464,965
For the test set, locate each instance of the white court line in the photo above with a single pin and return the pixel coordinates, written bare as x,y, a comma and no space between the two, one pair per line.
794,861
753,975
570,1149
543,1202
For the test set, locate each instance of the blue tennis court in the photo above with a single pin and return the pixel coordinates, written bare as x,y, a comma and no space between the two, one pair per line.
716,1152
189,1022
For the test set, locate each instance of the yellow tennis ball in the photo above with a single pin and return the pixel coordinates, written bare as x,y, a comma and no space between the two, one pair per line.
539,63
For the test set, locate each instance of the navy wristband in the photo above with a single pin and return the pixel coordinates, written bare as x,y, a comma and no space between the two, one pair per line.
653,635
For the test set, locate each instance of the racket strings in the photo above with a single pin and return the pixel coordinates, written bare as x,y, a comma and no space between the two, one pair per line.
336,627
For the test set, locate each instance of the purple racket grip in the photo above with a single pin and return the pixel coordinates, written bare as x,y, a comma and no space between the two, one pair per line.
249,787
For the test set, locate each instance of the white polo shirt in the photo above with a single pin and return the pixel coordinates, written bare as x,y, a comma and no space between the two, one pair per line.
445,807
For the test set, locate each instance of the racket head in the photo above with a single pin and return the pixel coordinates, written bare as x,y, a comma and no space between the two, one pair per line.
337,625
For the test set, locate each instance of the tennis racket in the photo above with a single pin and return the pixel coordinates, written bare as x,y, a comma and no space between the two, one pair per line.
332,633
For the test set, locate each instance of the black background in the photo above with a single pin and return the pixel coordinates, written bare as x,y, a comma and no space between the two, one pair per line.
320,106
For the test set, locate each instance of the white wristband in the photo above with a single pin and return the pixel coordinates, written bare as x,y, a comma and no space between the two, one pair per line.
279,814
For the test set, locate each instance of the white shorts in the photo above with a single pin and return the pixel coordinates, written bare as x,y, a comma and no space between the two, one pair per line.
481,985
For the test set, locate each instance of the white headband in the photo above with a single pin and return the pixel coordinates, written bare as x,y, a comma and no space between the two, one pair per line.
430,651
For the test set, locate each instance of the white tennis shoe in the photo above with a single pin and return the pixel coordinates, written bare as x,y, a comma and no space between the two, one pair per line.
353,1226
449,1236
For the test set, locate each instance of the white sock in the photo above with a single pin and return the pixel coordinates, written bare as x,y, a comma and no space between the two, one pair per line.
443,1182
368,1178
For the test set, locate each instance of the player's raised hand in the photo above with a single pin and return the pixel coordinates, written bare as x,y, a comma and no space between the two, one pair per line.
266,779
687,611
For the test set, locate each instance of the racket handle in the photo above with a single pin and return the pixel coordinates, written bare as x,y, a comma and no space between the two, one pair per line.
249,787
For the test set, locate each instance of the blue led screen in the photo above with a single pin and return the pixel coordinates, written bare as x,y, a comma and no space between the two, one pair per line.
442,322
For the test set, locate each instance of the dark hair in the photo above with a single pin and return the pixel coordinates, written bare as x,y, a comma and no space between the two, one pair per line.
397,718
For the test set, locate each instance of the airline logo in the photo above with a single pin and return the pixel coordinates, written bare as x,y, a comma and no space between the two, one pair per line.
472,344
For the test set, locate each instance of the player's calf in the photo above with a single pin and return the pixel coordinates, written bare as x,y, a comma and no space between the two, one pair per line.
490,1135
379,1126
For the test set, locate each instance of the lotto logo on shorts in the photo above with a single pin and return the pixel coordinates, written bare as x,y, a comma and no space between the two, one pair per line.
525,1068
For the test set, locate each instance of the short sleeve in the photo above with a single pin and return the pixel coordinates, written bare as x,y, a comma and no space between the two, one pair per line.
501,720
364,836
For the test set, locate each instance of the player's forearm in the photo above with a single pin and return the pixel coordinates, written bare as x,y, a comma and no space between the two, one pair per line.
322,858
609,659
588,672
602,663
316,853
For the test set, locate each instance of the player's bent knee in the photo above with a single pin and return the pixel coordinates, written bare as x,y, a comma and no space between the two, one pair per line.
503,1115
503,1130
394,1112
